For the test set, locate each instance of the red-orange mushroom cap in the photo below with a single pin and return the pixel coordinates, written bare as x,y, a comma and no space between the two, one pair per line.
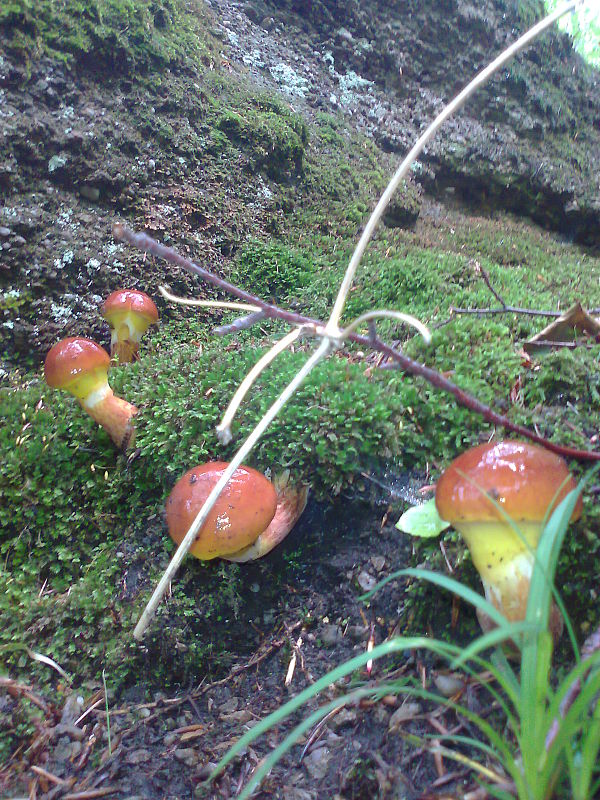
80,367
244,509
524,480
129,313
251,516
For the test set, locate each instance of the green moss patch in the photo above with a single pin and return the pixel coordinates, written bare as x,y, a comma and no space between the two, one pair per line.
120,35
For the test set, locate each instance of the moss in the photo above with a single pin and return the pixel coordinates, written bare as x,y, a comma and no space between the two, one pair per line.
122,36
274,137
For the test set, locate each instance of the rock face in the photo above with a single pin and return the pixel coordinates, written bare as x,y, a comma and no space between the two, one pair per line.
528,142
82,146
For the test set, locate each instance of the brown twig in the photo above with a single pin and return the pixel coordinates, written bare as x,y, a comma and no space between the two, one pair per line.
91,794
532,312
147,244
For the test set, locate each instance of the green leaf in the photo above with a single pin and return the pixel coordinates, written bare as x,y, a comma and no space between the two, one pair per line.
422,521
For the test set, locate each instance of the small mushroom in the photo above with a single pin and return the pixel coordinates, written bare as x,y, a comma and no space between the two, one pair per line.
527,482
80,367
250,517
129,313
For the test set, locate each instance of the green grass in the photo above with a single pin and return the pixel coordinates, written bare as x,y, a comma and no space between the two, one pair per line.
538,767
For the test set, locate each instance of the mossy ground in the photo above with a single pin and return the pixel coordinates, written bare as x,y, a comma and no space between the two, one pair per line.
119,35
82,539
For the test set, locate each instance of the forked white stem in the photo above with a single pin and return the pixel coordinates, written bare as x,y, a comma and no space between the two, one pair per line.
224,428
190,301
323,350
454,105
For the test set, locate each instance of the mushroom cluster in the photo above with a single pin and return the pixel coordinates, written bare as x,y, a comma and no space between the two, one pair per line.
80,366
477,494
251,516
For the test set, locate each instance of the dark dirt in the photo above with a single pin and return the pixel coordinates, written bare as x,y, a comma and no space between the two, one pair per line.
76,152
167,747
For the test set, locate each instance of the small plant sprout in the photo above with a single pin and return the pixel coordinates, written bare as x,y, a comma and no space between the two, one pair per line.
80,367
499,497
129,314
251,516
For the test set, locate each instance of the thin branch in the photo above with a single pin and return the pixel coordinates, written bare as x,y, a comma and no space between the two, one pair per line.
570,345
488,282
532,312
240,324
144,242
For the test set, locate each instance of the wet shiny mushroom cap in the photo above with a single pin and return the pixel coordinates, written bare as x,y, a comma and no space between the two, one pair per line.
126,301
526,481
74,364
243,511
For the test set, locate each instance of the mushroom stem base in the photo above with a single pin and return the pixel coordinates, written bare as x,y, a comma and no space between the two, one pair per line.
114,414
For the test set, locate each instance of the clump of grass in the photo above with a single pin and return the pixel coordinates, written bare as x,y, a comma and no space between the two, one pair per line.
552,746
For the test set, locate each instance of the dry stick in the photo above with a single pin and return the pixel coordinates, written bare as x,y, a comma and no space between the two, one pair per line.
144,242
532,312
331,333
506,309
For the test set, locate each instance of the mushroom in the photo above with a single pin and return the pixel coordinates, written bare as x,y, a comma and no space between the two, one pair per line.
250,517
129,313
527,482
80,366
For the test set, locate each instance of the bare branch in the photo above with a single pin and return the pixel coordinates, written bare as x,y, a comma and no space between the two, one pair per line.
146,243
240,324
532,312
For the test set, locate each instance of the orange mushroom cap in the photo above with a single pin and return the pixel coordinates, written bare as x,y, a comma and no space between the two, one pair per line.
69,361
129,300
243,511
526,480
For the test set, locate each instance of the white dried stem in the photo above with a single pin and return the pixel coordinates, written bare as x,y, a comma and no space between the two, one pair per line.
481,78
190,301
322,351
384,314
224,428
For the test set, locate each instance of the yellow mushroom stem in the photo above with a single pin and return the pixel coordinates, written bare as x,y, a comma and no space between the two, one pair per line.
111,412
504,561
127,329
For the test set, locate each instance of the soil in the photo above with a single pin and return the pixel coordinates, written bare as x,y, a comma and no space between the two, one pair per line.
167,747
75,155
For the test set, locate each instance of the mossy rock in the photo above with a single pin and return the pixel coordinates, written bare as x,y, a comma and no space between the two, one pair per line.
274,138
123,36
